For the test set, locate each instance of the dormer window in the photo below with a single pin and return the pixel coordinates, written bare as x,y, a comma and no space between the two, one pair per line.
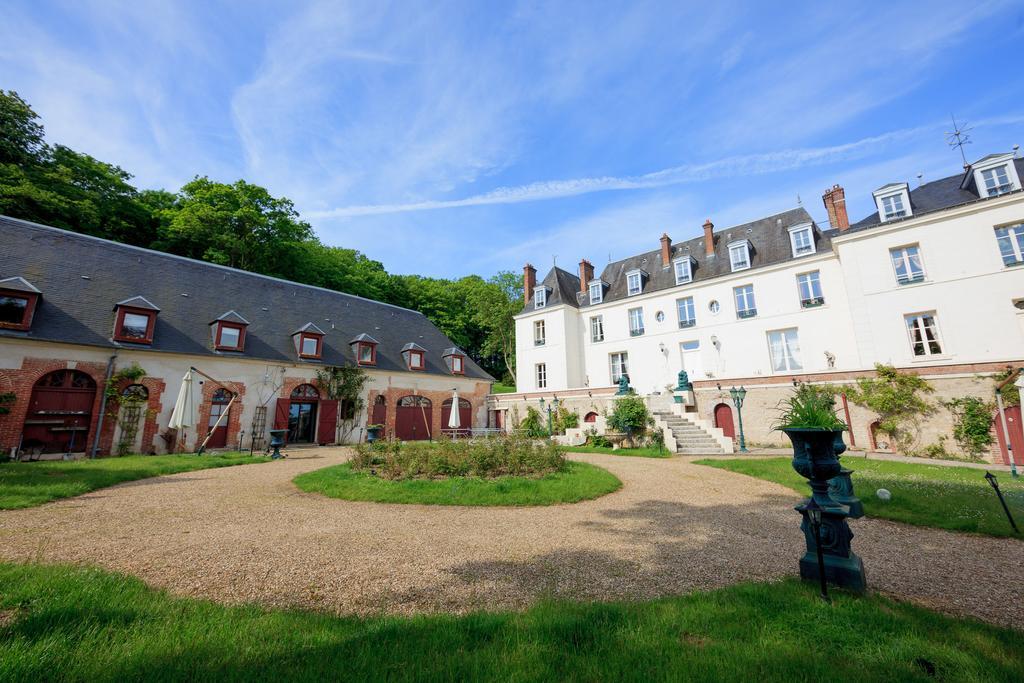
893,201
540,297
996,180
309,342
135,320
739,255
18,299
455,360
596,291
228,332
801,238
634,282
993,175
364,347
415,356
683,270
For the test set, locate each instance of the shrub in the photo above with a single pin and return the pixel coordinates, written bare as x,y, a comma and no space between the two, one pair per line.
972,419
897,399
533,424
630,416
595,439
810,407
564,419
487,458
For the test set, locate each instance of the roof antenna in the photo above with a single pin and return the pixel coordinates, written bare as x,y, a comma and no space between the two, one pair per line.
554,260
799,202
1016,148
958,138
920,179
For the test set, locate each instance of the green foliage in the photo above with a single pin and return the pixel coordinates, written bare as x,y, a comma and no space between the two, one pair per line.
630,416
972,420
563,419
6,400
27,484
1010,393
534,425
597,440
132,374
810,407
652,451
343,383
501,456
897,398
941,496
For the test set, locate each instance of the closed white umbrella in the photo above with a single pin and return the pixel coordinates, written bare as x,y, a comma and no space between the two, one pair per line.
454,421
184,414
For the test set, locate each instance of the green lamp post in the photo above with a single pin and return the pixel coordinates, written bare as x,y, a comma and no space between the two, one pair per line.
737,398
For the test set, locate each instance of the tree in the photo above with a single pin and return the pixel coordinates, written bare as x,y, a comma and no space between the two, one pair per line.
494,303
21,134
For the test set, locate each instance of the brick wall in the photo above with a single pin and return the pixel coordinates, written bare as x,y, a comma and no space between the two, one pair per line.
476,398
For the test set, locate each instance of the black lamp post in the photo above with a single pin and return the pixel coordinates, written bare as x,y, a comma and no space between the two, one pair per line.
554,404
737,398
995,485
814,516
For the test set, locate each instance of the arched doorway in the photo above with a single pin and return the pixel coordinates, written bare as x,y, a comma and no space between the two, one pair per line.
879,439
723,420
465,416
218,407
134,398
379,415
59,413
414,416
590,417
302,414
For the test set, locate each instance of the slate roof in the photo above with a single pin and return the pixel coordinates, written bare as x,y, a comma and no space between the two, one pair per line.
769,237
562,288
82,277
945,193
18,284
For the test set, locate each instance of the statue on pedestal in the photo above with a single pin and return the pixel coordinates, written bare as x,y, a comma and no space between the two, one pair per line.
623,385
683,383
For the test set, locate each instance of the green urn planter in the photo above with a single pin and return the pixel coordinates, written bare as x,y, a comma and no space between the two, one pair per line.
373,432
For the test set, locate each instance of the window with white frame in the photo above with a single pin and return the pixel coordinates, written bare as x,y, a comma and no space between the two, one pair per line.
784,347
541,371
809,286
906,261
540,297
539,333
801,239
739,255
997,181
596,292
619,364
745,305
1011,244
924,334
683,269
597,328
892,207
634,283
687,316
636,322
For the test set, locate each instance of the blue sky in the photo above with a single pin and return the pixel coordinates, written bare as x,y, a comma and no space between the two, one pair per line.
455,138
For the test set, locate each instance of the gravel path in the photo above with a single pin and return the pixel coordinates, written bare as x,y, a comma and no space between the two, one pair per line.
247,534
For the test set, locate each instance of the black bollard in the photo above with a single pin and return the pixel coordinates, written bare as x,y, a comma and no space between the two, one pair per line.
992,480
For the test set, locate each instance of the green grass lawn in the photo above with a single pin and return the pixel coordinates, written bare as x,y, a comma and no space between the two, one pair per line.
27,484
68,624
499,388
579,482
956,498
634,452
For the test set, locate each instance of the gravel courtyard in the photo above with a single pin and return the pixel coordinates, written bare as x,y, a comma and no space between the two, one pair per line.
247,534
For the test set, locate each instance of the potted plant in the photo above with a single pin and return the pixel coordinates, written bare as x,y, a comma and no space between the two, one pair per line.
373,432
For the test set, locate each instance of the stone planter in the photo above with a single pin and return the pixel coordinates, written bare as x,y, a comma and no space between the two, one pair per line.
616,438
373,433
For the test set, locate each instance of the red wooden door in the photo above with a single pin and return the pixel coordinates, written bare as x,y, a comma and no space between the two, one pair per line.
380,411
1016,429
414,416
60,412
327,428
465,416
723,420
281,415
218,414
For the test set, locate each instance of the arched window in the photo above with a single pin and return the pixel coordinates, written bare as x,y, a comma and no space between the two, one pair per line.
222,395
414,402
380,400
305,392
463,403
590,417
135,392
67,379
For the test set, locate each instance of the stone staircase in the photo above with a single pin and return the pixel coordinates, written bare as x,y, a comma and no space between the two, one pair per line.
690,437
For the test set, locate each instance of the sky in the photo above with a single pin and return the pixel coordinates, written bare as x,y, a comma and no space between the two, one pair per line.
447,139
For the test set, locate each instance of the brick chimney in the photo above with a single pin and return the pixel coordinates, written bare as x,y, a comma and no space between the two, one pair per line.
835,204
529,282
709,238
666,249
586,274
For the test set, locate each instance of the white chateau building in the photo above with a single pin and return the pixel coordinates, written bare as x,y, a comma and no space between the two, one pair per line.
930,282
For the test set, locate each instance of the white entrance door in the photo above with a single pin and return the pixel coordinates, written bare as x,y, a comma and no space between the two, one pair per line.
690,351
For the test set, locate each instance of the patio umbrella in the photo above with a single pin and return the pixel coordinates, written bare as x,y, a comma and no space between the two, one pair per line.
184,414
454,422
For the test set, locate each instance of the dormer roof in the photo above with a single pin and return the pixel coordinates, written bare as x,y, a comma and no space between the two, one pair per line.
18,284
230,317
138,302
364,338
452,351
309,328
413,346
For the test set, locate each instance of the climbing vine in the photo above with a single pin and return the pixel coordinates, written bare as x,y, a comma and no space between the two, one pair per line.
898,398
972,419
1010,393
344,384
132,374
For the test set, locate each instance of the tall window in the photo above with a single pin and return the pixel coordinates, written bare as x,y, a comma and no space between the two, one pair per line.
539,334
619,363
784,346
809,286
542,375
1011,244
906,261
597,328
683,272
892,206
802,241
634,283
540,298
739,255
996,181
636,322
687,317
924,334
596,292
745,305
